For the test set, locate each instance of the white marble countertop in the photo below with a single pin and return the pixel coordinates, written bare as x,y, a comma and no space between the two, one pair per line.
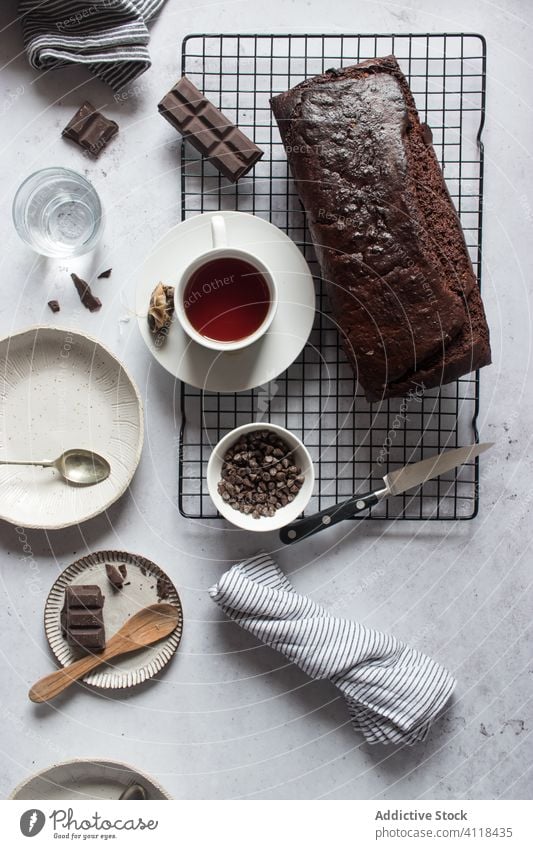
228,719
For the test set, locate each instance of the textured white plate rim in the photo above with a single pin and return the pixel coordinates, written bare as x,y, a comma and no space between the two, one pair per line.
51,621
282,516
56,526
179,370
96,761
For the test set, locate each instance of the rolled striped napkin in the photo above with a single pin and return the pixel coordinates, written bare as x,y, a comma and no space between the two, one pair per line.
393,692
109,36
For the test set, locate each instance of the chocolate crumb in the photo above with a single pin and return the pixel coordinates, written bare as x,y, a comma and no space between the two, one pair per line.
164,588
54,306
89,301
106,273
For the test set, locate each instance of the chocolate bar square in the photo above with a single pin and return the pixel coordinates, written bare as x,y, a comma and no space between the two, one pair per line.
209,130
90,129
82,620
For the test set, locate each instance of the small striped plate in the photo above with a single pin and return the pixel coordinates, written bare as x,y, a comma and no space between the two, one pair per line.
145,584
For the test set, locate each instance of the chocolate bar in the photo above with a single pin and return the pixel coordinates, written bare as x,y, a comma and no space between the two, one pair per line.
82,620
208,130
90,129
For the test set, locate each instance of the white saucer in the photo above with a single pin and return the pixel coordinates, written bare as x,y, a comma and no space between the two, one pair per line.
258,363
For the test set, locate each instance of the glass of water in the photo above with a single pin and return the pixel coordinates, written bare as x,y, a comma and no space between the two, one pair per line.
58,213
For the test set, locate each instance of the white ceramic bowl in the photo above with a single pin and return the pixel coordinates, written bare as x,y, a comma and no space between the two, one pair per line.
62,389
212,256
285,514
84,779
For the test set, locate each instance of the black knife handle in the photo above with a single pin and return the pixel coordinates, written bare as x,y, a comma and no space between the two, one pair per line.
310,525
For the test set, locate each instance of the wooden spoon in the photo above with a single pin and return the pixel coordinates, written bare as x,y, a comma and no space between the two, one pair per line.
144,628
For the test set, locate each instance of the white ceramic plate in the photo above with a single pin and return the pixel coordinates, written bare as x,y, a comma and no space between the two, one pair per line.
285,514
143,588
276,350
85,779
62,389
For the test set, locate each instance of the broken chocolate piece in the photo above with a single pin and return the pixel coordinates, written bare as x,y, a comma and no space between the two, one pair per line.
54,306
208,130
161,311
164,588
90,301
90,129
116,575
81,618
106,273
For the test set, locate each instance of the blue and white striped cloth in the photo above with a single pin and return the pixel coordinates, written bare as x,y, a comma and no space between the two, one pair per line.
109,36
393,692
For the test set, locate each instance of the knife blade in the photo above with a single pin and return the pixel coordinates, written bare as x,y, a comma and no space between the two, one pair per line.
415,474
412,475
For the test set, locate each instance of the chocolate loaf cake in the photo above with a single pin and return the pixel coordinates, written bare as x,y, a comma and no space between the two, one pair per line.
386,233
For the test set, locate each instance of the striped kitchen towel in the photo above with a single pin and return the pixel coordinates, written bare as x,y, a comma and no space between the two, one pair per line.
393,692
109,36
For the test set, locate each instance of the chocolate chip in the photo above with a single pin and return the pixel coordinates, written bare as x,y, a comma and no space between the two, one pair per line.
54,306
274,483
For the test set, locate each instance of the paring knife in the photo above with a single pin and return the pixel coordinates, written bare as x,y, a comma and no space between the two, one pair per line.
395,483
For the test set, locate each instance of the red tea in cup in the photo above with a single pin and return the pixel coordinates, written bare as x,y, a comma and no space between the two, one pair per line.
226,299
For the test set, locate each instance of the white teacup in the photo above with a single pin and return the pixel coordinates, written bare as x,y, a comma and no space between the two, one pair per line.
219,250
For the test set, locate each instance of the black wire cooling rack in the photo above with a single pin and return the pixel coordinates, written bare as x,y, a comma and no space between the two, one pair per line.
353,443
